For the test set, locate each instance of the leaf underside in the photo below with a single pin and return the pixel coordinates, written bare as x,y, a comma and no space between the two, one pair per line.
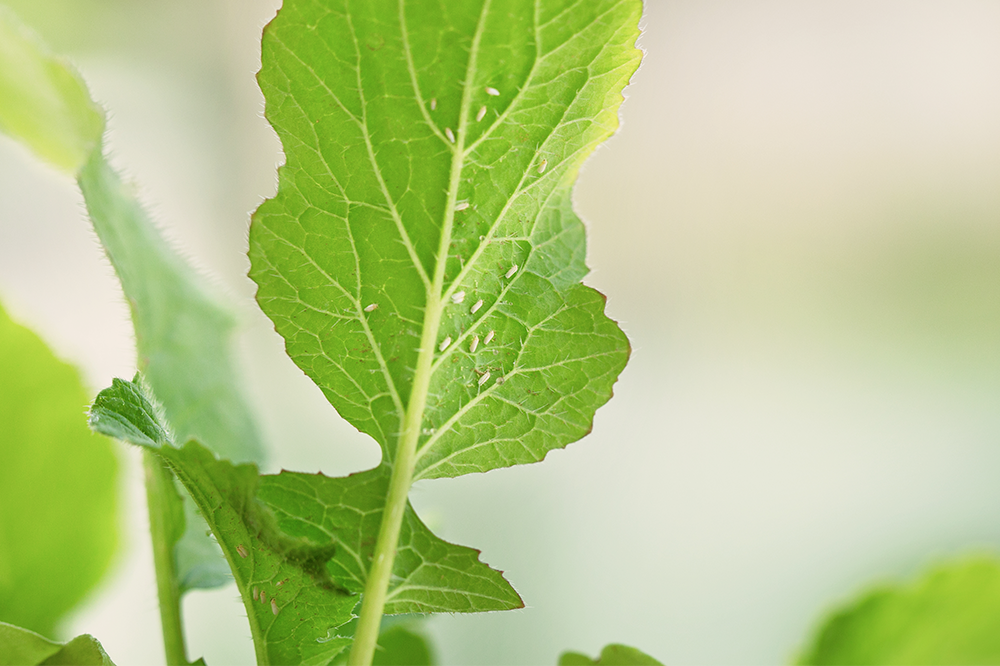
384,228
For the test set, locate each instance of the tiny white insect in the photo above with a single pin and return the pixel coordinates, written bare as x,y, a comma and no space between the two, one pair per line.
256,593
479,304
462,205
543,165
448,133
492,92
371,307
458,297
444,343
499,380
274,606
474,344
485,378
263,597
481,114
510,273
489,337
241,549
434,103
281,582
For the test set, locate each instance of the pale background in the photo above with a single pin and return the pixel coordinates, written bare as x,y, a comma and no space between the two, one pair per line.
799,228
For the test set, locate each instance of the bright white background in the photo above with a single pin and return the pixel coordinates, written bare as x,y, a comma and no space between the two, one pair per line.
799,228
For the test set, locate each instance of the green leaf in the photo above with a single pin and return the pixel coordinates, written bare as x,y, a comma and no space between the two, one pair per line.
948,616
421,258
614,654
182,332
42,100
58,486
21,647
401,645
293,606
371,211
429,574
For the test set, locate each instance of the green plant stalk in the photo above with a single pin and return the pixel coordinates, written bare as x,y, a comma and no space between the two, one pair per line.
157,498
377,586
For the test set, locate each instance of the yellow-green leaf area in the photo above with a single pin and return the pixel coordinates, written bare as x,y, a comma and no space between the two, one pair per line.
948,616
42,101
58,486
20,647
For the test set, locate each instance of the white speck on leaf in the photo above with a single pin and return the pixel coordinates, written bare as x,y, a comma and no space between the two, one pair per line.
479,304
543,165
444,343
485,378
434,103
448,133
474,344
458,297
371,307
492,92
509,274
462,205
489,337
481,114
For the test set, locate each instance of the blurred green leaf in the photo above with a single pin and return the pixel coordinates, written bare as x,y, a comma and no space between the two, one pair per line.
951,615
58,486
614,654
42,100
402,645
20,647
183,336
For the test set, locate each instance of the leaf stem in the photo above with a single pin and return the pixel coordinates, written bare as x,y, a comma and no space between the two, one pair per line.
373,601
159,487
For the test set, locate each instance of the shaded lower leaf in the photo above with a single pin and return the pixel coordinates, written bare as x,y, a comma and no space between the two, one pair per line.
21,647
614,654
298,550
292,604
949,616
429,574
58,486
